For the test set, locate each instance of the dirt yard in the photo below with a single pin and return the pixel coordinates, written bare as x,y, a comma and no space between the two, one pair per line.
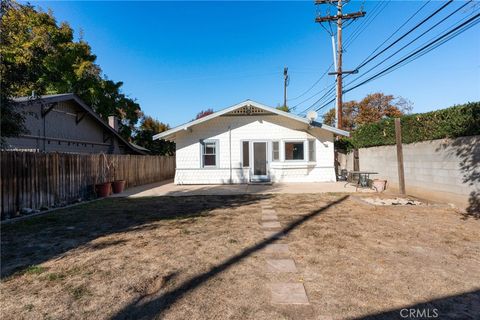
203,257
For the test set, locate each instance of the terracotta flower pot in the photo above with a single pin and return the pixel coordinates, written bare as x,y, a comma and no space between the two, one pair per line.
103,189
118,186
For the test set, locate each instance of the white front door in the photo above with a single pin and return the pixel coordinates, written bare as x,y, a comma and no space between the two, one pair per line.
260,163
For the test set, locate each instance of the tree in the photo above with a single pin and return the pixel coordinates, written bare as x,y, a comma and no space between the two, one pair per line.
370,109
283,108
376,106
41,56
11,74
204,113
349,110
12,121
144,137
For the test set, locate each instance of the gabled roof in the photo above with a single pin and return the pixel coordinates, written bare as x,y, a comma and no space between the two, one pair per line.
70,96
168,133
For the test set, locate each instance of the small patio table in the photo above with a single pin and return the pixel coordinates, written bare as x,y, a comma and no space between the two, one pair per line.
363,177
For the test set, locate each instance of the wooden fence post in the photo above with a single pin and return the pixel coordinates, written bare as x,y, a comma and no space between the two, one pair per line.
398,138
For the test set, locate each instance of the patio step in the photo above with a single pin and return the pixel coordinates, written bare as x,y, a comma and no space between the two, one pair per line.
264,183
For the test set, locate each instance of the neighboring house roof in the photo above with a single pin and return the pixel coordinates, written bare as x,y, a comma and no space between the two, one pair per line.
71,96
168,133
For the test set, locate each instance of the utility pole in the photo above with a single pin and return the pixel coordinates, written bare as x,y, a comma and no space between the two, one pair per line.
338,18
286,79
398,140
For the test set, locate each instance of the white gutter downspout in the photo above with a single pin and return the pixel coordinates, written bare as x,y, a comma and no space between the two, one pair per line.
230,151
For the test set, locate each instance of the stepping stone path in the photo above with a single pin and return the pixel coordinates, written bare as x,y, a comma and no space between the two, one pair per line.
269,217
281,265
273,234
278,261
288,293
277,248
271,224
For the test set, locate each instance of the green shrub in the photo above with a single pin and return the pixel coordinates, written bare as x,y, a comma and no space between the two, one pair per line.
457,121
344,144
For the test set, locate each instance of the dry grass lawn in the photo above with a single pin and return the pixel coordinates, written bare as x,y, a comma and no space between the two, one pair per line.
203,257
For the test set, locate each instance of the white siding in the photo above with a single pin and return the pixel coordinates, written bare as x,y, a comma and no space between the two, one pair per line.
230,131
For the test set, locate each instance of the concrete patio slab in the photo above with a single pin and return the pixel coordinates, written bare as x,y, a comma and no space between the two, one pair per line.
281,265
271,224
288,293
277,248
168,188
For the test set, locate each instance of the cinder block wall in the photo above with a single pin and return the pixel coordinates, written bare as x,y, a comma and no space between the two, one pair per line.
446,170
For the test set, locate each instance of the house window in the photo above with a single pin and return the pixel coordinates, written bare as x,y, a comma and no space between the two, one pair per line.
209,153
246,153
275,151
311,150
294,151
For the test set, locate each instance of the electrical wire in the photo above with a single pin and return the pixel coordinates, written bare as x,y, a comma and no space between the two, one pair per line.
416,54
415,39
359,26
313,85
406,34
366,24
329,89
395,32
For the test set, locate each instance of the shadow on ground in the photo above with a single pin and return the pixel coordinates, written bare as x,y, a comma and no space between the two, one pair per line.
154,308
467,149
461,306
42,238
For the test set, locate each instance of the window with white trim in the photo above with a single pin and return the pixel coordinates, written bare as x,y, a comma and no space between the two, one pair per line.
245,153
311,150
294,150
209,153
275,151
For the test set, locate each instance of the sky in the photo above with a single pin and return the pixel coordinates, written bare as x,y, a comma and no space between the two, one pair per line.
178,58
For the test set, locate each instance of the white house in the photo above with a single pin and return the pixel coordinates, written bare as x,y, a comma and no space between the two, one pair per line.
250,142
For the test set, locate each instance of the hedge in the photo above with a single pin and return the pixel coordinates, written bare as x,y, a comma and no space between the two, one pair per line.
457,121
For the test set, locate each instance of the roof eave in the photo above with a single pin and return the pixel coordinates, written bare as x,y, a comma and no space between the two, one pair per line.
81,103
171,133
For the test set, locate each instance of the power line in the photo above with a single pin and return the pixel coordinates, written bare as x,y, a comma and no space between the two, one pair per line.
407,33
368,21
313,85
433,44
372,12
424,49
395,32
415,39
330,89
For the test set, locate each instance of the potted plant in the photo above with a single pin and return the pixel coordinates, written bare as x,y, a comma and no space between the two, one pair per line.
118,185
103,189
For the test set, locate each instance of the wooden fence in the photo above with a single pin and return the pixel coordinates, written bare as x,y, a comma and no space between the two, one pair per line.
37,180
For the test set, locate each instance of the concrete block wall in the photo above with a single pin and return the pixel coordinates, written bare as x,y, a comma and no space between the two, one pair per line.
446,170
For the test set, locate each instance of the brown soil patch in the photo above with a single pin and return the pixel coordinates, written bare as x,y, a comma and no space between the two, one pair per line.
203,257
